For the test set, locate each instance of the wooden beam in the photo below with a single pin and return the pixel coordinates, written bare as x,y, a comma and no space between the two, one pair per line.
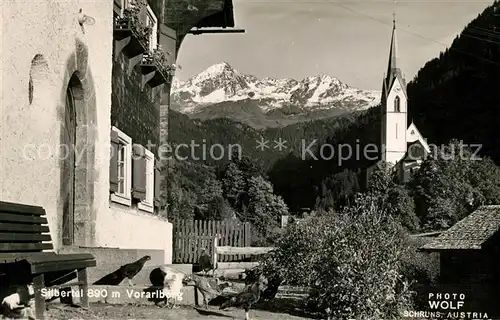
215,245
237,265
427,234
132,62
120,45
146,77
234,274
199,31
67,285
242,250
117,7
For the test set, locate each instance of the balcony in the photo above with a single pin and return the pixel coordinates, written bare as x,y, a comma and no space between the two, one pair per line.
155,69
130,35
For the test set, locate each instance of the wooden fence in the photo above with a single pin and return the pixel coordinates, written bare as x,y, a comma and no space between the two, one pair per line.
221,251
191,236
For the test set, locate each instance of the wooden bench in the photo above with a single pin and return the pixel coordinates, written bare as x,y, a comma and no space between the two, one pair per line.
24,239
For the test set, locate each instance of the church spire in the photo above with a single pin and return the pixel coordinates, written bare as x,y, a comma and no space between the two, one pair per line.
393,52
393,70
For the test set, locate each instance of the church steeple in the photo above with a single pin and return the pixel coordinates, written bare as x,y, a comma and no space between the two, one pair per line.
393,52
394,107
393,70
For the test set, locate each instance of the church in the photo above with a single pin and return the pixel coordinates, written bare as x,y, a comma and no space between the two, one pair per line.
402,146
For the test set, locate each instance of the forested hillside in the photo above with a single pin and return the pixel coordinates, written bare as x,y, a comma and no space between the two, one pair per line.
453,97
456,95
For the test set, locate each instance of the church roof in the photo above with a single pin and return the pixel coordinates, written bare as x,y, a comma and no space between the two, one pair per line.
413,134
415,151
393,71
393,53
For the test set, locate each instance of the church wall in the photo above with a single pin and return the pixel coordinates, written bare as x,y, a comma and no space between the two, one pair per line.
413,134
394,126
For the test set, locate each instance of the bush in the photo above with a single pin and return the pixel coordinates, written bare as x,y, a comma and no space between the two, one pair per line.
402,207
451,184
297,250
353,262
422,270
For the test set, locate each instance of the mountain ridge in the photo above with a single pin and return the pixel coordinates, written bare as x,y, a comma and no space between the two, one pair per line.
221,91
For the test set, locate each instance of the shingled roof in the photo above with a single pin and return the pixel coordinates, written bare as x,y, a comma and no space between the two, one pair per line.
182,15
469,233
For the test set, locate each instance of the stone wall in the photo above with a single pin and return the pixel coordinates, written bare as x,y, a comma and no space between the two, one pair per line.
134,110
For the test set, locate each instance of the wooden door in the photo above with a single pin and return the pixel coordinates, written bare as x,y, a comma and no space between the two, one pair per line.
68,169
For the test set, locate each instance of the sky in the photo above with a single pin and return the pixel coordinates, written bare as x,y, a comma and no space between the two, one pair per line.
347,39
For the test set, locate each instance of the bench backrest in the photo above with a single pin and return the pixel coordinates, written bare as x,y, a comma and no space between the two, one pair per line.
23,228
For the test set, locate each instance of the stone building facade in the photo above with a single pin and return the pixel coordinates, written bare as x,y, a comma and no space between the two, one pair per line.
56,127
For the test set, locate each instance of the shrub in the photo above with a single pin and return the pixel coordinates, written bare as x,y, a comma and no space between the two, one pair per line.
361,272
297,250
451,184
422,270
402,207
353,262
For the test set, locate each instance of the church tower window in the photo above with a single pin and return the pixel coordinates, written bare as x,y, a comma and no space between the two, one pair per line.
397,104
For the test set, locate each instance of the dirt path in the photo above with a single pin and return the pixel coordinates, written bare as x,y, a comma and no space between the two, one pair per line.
103,311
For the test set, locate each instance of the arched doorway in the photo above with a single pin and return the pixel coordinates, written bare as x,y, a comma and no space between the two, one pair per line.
77,111
68,144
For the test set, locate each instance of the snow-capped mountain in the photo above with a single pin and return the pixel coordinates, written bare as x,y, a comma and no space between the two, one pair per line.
222,91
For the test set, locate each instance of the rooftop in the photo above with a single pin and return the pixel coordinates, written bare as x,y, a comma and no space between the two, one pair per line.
222,19
182,15
470,233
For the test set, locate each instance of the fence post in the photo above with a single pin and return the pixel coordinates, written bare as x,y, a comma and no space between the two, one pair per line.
214,254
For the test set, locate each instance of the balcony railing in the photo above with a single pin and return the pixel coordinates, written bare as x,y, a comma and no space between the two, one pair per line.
157,61
130,31
126,27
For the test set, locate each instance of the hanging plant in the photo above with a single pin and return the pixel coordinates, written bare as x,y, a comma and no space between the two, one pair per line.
161,62
133,14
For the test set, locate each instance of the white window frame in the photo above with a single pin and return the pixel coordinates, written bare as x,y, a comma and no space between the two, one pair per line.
148,203
125,198
152,21
125,5
153,38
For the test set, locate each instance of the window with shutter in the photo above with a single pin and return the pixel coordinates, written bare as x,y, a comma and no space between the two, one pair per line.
157,190
139,172
113,164
121,158
120,169
147,204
